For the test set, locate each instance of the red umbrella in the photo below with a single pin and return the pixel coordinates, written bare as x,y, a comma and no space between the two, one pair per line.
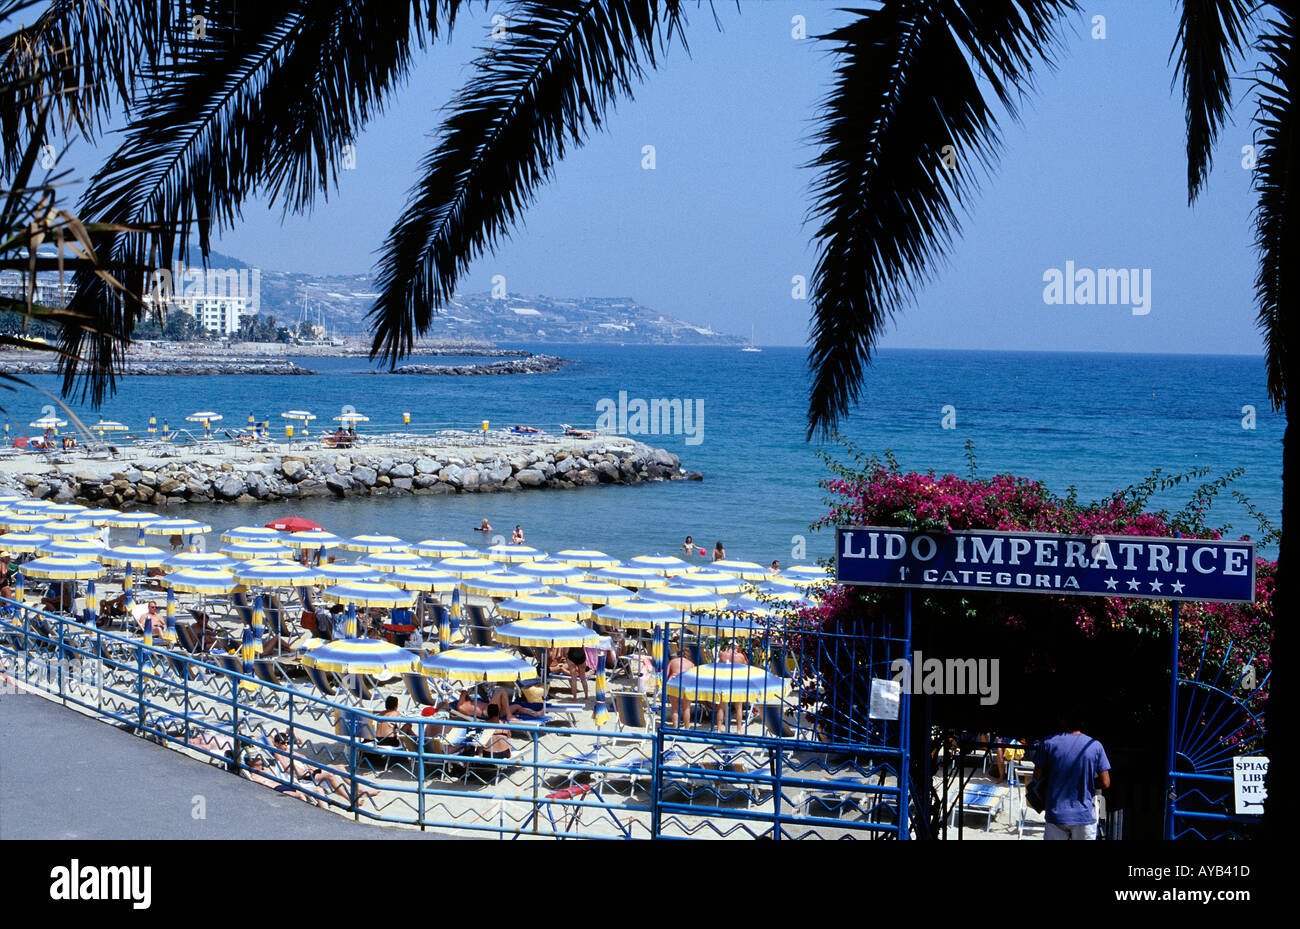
293,524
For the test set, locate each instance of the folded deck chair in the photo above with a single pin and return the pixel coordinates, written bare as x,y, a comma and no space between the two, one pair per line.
477,615
982,800
320,680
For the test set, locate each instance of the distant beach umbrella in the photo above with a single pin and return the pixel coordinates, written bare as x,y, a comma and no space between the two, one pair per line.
721,626
727,683
132,520
368,594
552,572
66,510
22,543
427,579
476,663
250,534
64,568
373,543
513,553
69,529
537,605
806,573
247,551
84,548
393,561
748,605
344,571
30,506
311,539
201,581
176,526
787,596
686,597
360,656
48,422
586,558
22,522
207,418
593,593
716,581
501,584
632,576
546,633
351,418
109,425
199,560
667,565
302,416
444,548
637,614
467,566
777,582
99,516
6,499
745,570
144,556
600,712
258,573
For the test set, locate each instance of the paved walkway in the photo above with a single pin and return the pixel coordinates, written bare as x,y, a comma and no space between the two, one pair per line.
65,775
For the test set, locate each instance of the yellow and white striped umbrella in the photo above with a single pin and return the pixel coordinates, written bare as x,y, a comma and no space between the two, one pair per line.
393,561
716,581
501,584
745,570
343,571
138,556
302,415
360,656
64,568
70,529
22,543
30,506
202,581
198,560
24,522
476,663
368,594
551,572
509,554
247,551
430,579
444,548
667,565
727,683
176,526
132,520
593,593
266,573
546,633
686,597
632,576
637,614
66,510
537,605
311,539
250,534
99,516
586,558
467,566
85,548
373,543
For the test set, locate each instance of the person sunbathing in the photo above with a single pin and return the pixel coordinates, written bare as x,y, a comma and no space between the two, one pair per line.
496,743
466,705
318,776
149,613
389,734
58,598
257,774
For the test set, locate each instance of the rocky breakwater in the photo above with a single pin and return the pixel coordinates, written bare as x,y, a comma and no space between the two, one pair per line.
166,368
534,364
357,473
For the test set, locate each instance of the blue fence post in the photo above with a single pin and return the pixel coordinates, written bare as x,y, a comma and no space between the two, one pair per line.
1172,788
352,722
139,683
60,662
419,767
905,721
536,809
776,790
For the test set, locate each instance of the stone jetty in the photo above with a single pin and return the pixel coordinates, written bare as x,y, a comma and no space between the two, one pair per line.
167,368
212,473
535,364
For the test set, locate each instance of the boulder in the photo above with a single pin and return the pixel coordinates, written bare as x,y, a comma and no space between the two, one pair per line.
530,477
403,470
425,465
229,487
293,469
402,483
339,484
170,487
469,479
365,476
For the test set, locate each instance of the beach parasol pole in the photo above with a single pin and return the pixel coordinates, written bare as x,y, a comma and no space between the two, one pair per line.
170,635
600,713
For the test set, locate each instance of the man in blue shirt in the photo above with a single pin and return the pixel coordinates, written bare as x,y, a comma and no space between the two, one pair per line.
1074,766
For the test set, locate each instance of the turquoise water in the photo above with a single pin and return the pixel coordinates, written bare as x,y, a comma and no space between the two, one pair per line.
1099,422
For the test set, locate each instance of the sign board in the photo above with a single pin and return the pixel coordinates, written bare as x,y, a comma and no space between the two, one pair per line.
1248,773
1047,563
885,697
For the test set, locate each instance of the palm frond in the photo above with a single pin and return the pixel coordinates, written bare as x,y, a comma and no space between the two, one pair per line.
1212,34
1277,232
555,76
888,192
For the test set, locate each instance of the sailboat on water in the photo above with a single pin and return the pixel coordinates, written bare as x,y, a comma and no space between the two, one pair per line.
751,347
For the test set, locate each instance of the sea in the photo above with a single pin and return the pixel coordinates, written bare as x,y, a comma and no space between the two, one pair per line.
1097,422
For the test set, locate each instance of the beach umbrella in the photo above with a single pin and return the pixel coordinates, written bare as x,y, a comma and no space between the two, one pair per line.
586,558
6,499
175,525
197,560
22,522
513,553
360,656
48,422
373,543
207,417
109,425
202,581
430,579
393,561
443,548
791,597
749,605
153,425
247,551
66,510
69,529
498,584
302,416
667,565
637,613
344,571
806,573
22,543
368,594
476,663
600,712
716,581
266,573
593,593
249,534
631,576
552,572
467,566
745,570
64,568
351,418
545,633
294,524
84,548
778,583
536,605
132,520
311,539
686,597
30,506
146,556
723,627
727,683
99,516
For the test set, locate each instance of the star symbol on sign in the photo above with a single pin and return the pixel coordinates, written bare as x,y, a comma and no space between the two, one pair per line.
1110,583
1133,585
1157,586
1177,586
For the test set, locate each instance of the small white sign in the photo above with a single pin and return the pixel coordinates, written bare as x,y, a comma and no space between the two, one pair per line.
1248,773
885,697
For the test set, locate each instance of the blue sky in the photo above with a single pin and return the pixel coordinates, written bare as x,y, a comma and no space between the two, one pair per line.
1094,174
